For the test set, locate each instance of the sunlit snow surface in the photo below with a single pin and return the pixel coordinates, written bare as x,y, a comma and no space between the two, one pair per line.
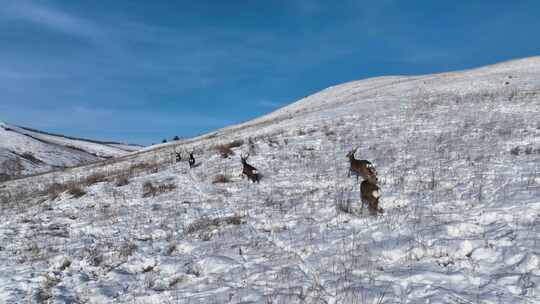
458,157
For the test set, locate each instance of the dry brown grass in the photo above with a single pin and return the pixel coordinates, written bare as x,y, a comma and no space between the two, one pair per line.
55,189
145,167
225,150
76,187
221,179
75,190
95,178
272,141
151,189
121,180
328,132
206,222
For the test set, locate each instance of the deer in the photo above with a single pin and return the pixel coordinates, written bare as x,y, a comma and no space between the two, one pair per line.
191,160
361,167
176,156
248,170
369,194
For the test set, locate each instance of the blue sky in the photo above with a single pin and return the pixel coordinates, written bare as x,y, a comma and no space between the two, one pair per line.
140,71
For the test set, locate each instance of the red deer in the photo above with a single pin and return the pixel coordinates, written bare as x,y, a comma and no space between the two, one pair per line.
248,170
176,156
361,167
370,194
191,160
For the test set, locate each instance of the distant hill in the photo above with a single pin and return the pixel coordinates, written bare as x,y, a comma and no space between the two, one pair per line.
25,151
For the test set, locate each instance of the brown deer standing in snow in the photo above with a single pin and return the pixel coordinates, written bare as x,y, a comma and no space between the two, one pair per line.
248,170
361,167
370,194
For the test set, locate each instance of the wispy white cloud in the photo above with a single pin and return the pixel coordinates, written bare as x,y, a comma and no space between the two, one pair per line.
52,18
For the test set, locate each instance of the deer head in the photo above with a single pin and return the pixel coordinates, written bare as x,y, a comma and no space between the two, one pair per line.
350,155
361,167
244,159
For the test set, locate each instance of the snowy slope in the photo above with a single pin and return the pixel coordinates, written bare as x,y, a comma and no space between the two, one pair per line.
458,156
25,151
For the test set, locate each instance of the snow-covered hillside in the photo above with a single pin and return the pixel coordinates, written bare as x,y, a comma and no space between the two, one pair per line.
458,157
25,151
